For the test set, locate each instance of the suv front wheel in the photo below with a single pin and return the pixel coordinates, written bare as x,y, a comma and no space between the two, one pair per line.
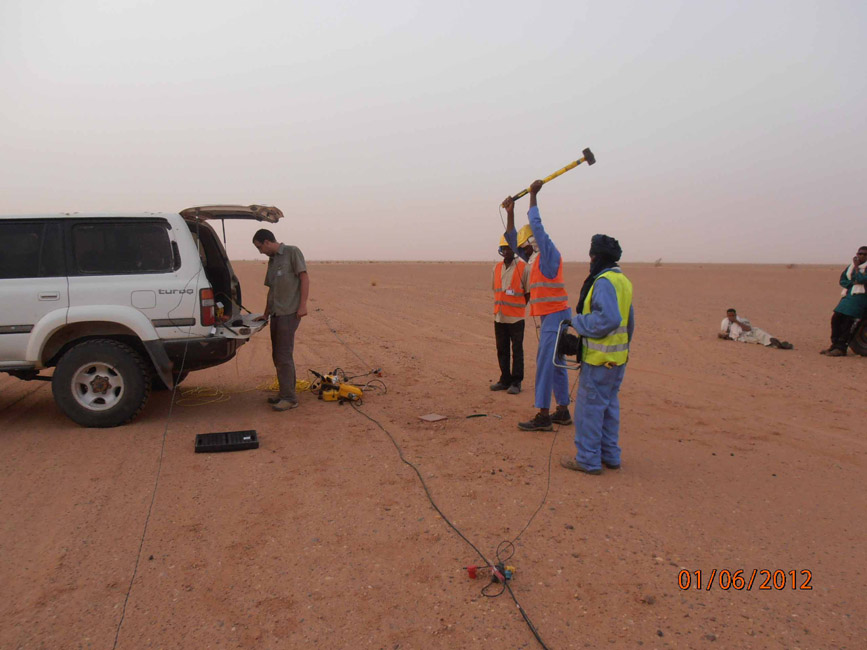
101,383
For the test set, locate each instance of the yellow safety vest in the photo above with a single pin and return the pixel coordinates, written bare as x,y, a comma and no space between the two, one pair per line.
614,348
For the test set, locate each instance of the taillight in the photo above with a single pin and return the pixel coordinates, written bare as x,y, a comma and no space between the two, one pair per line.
206,298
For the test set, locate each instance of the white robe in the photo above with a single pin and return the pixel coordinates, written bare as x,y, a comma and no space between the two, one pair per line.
737,333
856,288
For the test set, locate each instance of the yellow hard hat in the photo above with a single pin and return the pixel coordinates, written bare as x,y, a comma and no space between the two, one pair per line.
523,235
503,242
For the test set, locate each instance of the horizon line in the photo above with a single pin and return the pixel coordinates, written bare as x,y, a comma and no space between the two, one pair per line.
656,263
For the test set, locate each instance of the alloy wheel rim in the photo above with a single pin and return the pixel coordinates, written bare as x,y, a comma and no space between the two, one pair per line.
97,386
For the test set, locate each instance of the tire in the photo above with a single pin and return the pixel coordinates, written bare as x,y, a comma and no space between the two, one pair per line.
858,344
157,384
101,383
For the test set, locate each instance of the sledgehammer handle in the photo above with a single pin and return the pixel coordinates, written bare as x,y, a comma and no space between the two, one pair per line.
588,157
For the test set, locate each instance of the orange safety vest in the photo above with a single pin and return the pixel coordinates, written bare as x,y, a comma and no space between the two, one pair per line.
547,295
510,305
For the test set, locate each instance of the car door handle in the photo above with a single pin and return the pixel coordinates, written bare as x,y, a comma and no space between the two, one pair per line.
51,295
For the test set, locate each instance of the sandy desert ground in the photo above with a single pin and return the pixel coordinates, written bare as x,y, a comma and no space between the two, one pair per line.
736,457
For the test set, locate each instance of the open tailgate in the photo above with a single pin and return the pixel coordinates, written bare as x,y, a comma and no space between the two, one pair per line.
257,212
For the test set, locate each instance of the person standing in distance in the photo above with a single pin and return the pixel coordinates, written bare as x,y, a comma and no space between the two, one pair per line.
288,288
510,282
548,299
606,320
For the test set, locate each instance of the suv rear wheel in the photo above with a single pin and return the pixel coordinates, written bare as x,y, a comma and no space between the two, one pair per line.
101,383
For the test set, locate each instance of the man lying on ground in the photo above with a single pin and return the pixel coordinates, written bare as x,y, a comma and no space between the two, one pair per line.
738,328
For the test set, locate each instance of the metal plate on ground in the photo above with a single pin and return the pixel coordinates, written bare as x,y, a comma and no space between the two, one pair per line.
226,441
432,417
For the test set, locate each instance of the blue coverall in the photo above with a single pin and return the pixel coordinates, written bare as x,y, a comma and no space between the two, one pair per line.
548,376
597,406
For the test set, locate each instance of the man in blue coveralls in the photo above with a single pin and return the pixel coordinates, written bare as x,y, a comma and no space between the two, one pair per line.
606,320
549,300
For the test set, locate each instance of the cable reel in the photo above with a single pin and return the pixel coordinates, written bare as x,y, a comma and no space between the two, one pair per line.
567,345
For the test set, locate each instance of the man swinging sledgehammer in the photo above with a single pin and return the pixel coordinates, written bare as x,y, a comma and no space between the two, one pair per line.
549,300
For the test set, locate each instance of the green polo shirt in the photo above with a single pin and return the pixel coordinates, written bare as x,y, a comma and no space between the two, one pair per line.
284,285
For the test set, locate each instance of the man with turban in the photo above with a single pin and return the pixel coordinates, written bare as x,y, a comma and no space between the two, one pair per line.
606,320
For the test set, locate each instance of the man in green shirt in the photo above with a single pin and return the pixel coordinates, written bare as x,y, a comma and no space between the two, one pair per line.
288,287
852,305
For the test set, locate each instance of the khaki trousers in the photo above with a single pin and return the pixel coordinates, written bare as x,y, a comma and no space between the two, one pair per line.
282,348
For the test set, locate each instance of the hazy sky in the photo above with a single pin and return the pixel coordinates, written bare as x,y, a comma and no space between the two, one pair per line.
724,131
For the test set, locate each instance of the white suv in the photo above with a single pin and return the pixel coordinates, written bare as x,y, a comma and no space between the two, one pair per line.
119,304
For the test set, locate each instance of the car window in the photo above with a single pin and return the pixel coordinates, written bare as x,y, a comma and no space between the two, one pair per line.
121,248
30,249
51,259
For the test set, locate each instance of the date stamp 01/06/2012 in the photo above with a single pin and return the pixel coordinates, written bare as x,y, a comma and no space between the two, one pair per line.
740,580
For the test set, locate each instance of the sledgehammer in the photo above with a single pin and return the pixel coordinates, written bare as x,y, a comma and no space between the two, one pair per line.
589,158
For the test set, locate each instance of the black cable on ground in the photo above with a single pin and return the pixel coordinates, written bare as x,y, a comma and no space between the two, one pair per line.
510,543
420,478
450,524
20,398
159,464
544,498
147,520
345,344
399,450
548,488
526,618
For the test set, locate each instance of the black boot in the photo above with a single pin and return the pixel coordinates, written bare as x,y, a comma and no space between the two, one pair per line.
561,416
541,422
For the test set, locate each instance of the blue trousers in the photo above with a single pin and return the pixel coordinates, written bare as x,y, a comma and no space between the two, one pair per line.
550,378
597,415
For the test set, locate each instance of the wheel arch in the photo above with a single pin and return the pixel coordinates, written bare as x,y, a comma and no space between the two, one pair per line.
72,334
